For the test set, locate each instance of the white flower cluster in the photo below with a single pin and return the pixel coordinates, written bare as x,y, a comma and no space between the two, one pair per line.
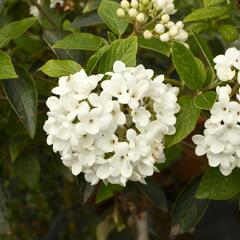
142,12
112,129
228,65
221,138
33,10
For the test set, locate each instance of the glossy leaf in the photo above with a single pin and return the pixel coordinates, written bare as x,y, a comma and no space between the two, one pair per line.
187,66
186,121
155,45
203,14
107,11
216,186
6,67
122,49
84,41
187,210
205,100
155,194
107,191
88,20
94,59
22,96
14,30
58,68
229,32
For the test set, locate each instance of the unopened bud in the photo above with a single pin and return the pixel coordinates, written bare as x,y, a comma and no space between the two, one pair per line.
120,12
159,28
173,31
165,37
132,12
125,4
147,34
165,18
180,25
140,17
134,4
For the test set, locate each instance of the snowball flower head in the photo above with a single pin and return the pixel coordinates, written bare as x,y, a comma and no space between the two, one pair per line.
228,64
111,127
221,138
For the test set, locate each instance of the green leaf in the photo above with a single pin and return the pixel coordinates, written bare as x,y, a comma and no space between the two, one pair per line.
87,20
27,169
197,27
91,6
6,67
155,45
203,14
121,49
216,186
205,100
208,3
187,210
59,68
186,121
155,194
107,11
107,191
187,66
229,32
94,59
22,96
17,144
14,30
84,41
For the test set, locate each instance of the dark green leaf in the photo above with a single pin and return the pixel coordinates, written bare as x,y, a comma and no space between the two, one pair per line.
187,210
6,67
186,121
107,11
203,14
187,66
216,186
87,20
122,49
198,27
58,68
14,30
107,191
155,194
94,59
205,100
22,95
17,144
155,45
91,6
84,41
229,32
27,169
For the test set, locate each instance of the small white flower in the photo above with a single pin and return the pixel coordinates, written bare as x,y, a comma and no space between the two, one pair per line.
120,12
147,34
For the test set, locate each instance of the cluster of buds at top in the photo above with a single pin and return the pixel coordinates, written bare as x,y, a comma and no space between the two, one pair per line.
152,18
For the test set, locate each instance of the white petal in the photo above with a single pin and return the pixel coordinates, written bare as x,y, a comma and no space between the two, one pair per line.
76,168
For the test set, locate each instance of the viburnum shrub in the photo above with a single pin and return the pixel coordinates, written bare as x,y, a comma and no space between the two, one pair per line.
114,112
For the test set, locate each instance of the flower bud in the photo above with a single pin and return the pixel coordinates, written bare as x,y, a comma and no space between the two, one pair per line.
180,25
145,2
125,4
140,17
132,12
159,28
165,37
173,31
182,36
147,34
165,18
120,12
169,24
134,4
